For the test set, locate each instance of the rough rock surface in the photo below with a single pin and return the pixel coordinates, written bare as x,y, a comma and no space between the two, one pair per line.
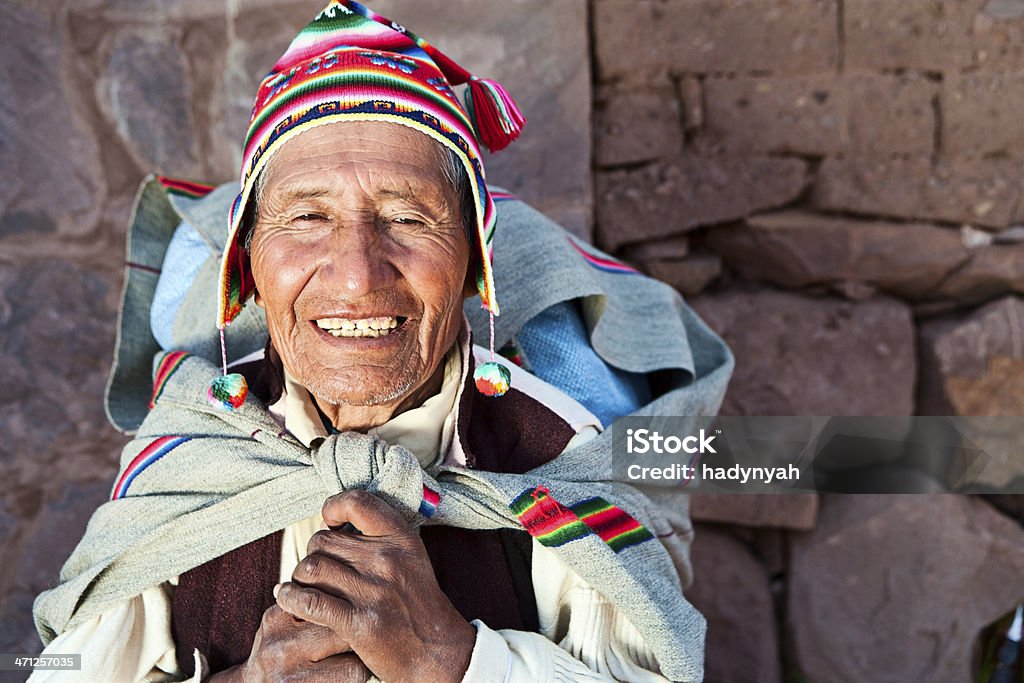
977,114
984,192
46,149
894,588
786,36
732,591
797,355
992,270
664,199
796,511
632,127
925,34
974,365
689,275
822,114
796,249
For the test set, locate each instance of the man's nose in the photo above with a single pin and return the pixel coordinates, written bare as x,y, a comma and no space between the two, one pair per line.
355,261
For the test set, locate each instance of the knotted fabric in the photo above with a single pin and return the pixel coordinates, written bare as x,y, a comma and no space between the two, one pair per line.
197,482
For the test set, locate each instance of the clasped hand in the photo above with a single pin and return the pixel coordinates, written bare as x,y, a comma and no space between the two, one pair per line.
361,603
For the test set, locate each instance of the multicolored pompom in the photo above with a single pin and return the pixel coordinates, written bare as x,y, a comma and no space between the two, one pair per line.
492,379
228,391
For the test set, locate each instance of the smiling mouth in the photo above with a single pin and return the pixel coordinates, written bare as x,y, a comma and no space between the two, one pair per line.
362,327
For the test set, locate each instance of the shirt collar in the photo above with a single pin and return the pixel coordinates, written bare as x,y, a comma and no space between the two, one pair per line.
426,430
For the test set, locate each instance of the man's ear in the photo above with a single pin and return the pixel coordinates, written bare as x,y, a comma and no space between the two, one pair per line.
256,298
469,286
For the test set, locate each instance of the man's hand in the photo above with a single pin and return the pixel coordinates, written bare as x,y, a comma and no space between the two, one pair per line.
286,649
377,593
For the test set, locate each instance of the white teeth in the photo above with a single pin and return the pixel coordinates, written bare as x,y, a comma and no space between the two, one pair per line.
365,327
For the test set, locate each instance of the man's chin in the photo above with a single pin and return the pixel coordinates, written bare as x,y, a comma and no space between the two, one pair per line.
356,392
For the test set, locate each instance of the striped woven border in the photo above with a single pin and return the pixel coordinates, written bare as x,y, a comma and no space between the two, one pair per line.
431,499
604,264
149,455
185,188
167,366
500,196
553,524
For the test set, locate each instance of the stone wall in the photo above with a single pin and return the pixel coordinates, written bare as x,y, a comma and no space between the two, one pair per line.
834,184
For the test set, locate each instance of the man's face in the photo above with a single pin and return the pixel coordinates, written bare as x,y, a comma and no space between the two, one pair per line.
359,229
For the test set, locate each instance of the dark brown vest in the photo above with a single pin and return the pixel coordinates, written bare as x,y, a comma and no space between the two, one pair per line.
218,606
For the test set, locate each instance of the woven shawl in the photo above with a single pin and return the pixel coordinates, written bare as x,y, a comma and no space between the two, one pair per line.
231,478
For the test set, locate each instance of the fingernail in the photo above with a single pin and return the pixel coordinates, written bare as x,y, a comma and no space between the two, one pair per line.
277,589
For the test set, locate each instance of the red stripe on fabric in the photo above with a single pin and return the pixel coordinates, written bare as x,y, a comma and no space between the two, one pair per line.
146,452
166,368
188,186
432,497
540,521
611,523
596,260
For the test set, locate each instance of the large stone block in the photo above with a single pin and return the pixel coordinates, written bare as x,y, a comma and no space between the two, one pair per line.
731,588
665,199
980,114
822,115
690,275
930,35
974,364
896,588
795,249
991,271
61,523
981,192
634,37
797,355
796,511
233,61
637,125
17,629
802,115
890,114
57,322
53,189
145,92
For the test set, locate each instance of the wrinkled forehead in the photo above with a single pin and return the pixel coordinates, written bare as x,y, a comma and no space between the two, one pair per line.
372,151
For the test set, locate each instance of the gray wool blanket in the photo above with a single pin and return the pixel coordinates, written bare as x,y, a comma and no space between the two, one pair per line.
214,474
230,478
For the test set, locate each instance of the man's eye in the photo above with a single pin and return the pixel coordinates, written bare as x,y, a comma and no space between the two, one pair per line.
309,218
407,220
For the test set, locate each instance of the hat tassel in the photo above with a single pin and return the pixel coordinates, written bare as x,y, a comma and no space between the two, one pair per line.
228,391
495,115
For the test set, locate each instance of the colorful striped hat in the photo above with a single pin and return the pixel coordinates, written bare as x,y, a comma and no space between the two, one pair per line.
350,63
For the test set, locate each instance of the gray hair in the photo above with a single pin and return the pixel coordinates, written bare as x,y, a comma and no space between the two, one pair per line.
451,166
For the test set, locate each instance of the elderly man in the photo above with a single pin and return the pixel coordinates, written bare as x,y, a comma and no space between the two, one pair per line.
349,505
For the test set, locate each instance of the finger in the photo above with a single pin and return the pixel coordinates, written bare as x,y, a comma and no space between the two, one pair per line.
284,636
368,513
347,667
328,573
342,546
316,606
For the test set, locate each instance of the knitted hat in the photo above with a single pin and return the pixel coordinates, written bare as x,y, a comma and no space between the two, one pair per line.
351,64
